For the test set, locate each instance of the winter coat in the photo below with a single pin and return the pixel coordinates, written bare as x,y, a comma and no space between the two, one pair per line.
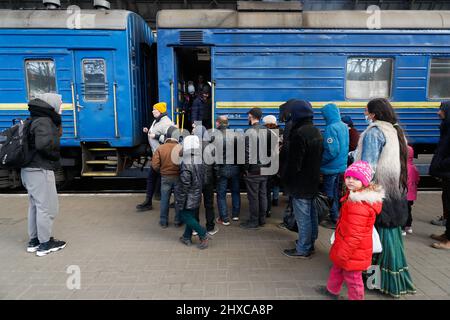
413,176
201,111
44,135
354,138
379,146
253,161
159,128
352,247
335,141
188,191
229,162
301,177
162,158
440,164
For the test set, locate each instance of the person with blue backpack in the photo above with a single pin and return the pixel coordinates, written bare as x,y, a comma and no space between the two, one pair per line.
38,176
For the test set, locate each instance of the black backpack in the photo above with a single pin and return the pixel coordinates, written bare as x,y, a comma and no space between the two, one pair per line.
15,146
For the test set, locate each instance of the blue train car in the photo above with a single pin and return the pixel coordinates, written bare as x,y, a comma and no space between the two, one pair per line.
262,59
101,62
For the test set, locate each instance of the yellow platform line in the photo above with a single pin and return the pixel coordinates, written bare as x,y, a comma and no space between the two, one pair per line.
24,106
340,104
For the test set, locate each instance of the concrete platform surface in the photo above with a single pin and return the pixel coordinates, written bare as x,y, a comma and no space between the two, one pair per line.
122,254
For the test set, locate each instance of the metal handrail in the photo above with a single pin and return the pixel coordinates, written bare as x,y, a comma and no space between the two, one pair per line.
116,125
213,101
75,122
171,99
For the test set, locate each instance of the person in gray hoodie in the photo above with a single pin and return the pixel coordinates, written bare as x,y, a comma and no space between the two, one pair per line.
38,177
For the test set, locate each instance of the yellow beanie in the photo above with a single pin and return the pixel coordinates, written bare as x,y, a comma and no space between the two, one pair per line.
161,107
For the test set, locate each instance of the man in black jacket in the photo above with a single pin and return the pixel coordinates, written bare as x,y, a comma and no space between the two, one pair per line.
38,177
302,175
440,167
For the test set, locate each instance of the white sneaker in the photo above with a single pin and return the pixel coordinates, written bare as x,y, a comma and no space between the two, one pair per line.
235,218
409,230
213,232
404,233
194,233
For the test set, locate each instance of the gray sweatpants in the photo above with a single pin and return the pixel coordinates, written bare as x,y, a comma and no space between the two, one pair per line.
43,202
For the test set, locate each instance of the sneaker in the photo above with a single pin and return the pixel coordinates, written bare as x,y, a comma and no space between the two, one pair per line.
440,221
409,230
185,241
322,290
194,233
292,253
248,226
220,221
282,226
313,250
213,232
164,225
33,245
178,224
203,244
404,233
235,218
50,246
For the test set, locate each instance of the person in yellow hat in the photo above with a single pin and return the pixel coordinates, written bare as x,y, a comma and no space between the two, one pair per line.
156,136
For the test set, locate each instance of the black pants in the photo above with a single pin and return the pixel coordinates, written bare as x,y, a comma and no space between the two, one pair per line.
446,203
409,221
153,183
257,199
208,202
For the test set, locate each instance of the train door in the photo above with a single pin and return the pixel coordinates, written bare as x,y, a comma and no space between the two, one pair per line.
94,96
193,67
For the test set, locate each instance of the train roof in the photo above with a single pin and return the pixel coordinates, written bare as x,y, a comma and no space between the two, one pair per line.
64,19
342,19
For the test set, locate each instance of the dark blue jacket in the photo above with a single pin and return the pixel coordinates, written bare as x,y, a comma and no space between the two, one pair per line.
440,164
335,141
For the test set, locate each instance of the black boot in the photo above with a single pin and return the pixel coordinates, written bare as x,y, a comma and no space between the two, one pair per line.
146,205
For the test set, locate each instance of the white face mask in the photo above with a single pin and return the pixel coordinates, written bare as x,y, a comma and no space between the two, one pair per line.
191,89
368,120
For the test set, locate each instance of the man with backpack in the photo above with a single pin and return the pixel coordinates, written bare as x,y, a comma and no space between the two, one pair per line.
38,176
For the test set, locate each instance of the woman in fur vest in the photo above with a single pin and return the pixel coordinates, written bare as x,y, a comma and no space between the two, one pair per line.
383,146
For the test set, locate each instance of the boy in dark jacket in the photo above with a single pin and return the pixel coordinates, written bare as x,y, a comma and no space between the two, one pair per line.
188,192
302,175
38,177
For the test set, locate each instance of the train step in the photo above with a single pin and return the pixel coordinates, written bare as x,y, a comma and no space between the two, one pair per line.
99,161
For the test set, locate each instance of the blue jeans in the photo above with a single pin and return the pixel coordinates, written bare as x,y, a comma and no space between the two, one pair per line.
167,185
331,189
307,222
232,174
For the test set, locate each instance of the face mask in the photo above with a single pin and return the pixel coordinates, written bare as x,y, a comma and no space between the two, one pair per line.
368,120
191,89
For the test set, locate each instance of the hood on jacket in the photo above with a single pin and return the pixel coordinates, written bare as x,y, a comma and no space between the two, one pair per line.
52,99
285,111
373,194
40,104
331,113
300,110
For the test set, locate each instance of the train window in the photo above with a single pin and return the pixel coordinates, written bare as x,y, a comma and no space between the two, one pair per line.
439,85
368,78
94,75
41,77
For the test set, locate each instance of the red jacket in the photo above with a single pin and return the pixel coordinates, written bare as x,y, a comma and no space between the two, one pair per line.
352,248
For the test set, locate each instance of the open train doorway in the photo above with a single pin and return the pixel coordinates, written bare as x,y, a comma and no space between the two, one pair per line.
193,89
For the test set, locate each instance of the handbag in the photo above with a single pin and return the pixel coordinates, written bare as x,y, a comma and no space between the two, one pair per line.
376,242
290,222
322,204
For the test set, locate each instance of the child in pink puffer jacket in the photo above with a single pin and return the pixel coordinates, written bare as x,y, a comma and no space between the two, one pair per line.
413,181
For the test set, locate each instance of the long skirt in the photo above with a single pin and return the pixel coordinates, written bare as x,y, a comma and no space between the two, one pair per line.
395,277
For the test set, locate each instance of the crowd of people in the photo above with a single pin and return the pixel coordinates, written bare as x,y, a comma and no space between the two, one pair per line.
370,178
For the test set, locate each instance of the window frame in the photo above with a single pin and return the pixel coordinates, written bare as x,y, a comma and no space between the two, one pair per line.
429,78
26,60
84,80
391,85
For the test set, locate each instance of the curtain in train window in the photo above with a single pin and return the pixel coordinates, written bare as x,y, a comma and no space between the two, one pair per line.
439,86
94,77
41,77
368,78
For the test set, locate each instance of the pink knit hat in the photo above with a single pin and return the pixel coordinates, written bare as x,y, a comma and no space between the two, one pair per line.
360,170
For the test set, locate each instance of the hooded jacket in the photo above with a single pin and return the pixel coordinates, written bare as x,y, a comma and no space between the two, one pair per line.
335,141
301,176
352,248
44,135
413,176
440,164
159,128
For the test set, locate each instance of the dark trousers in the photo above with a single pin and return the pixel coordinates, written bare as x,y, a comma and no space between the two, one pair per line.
208,201
257,198
153,183
409,221
445,196
446,203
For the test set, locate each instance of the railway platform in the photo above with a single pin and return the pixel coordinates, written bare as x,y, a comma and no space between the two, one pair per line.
118,253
